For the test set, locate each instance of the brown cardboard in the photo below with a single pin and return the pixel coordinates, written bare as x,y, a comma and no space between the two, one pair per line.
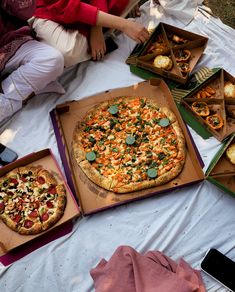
11,239
223,167
224,171
217,104
194,43
93,198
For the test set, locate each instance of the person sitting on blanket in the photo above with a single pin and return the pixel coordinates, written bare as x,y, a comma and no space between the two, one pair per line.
26,65
75,28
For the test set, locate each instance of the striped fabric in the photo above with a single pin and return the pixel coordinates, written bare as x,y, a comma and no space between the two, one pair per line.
201,76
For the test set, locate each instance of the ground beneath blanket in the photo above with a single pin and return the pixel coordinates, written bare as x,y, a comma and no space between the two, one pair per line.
225,10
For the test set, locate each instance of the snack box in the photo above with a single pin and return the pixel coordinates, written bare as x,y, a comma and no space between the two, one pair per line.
221,171
11,239
177,51
91,197
208,107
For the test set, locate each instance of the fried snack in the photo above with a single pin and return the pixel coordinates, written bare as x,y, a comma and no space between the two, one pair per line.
215,121
230,153
163,62
205,92
158,47
177,40
201,108
184,67
229,90
182,55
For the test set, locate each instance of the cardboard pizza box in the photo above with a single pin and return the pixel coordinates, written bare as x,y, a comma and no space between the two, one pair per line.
143,56
10,239
91,197
217,104
221,171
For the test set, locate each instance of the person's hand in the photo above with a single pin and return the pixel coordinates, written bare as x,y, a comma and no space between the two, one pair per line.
135,31
97,43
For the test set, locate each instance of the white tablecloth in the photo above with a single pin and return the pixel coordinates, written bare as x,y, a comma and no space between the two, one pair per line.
183,223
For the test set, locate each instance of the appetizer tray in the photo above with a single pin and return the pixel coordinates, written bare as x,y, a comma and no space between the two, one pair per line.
10,239
213,104
93,198
221,171
170,52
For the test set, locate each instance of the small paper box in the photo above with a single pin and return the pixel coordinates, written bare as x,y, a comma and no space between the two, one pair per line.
216,102
173,42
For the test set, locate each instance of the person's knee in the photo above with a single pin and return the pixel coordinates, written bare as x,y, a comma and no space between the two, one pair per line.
49,61
55,61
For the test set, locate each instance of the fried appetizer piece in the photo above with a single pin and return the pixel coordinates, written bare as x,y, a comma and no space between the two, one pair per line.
163,62
230,153
229,90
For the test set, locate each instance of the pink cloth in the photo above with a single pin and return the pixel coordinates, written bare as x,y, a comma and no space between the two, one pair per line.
127,270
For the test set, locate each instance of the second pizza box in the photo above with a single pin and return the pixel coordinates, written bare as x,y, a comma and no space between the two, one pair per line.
91,197
10,239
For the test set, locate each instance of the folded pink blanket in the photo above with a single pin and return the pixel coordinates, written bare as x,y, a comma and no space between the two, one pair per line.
129,271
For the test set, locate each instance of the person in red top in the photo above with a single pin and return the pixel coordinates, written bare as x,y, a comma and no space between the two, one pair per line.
76,27
26,65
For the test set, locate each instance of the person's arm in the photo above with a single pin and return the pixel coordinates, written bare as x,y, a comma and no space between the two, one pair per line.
134,30
22,9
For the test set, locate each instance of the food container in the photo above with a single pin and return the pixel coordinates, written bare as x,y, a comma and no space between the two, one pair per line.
221,171
170,52
93,198
210,95
10,239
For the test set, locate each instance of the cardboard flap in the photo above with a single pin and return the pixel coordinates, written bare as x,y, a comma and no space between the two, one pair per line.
218,155
63,109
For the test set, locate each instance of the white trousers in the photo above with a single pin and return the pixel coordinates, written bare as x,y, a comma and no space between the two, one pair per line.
32,68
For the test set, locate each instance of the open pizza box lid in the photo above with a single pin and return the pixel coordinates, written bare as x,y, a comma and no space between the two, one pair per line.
91,197
217,104
10,239
195,43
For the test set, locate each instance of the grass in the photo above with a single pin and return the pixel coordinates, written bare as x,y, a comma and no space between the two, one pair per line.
224,9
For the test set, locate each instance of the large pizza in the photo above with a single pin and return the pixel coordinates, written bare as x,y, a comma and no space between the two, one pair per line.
128,144
31,200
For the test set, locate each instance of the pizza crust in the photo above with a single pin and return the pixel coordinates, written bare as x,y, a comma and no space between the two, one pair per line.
95,176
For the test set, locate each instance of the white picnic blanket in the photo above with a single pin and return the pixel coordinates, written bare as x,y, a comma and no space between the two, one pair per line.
183,223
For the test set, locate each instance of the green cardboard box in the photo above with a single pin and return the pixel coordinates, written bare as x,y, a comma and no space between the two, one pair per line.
221,171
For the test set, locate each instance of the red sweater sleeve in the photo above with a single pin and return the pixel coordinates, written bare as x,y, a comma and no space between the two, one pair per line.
101,4
66,11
